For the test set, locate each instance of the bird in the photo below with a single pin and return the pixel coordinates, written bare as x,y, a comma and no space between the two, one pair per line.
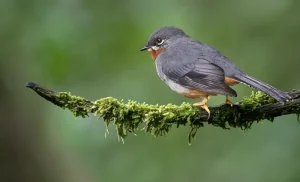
197,70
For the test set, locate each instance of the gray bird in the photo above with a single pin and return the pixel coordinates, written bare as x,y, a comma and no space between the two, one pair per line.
197,70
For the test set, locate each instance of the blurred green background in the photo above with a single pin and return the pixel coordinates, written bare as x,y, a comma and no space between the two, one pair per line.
91,48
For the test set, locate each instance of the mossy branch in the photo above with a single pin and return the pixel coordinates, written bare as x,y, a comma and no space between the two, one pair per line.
158,119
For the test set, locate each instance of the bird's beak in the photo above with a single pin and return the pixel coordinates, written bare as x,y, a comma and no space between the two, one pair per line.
145,48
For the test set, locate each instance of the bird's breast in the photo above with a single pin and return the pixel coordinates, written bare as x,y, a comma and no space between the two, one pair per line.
177,88
172,84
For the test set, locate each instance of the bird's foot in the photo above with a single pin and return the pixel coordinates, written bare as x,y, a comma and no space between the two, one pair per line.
203,106
227,101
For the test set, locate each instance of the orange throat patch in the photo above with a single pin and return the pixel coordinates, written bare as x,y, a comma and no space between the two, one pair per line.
155,53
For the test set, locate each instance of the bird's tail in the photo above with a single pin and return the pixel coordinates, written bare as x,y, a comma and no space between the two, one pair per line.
279,95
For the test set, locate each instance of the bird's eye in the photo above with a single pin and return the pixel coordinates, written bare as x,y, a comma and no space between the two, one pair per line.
159,41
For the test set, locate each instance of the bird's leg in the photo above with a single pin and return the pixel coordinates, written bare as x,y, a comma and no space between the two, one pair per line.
227,101
203,105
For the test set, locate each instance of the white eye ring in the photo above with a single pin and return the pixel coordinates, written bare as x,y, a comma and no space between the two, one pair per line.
160,41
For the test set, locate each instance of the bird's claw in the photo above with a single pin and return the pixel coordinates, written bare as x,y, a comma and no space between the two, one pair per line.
228,102
203,106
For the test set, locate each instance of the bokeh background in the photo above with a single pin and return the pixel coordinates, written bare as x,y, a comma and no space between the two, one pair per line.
91,48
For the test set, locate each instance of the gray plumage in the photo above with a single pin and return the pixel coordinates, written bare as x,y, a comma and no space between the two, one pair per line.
194,65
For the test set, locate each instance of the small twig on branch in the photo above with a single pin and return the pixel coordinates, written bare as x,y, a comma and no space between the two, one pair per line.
157,120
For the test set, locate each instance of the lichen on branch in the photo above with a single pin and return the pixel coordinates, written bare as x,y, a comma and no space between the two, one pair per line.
159,119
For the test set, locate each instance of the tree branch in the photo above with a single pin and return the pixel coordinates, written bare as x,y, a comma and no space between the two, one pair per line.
158,120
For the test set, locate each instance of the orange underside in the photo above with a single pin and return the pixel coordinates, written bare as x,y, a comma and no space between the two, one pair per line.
230,81
193,94
198,94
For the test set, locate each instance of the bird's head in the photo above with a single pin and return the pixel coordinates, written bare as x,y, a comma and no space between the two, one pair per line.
161,39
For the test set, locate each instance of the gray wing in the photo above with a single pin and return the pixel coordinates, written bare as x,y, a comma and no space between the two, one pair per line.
200,50
199,75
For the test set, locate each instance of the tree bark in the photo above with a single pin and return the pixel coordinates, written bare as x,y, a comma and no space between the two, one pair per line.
158,120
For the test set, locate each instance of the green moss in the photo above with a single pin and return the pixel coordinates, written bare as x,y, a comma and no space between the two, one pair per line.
158,120
255,100
75,104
